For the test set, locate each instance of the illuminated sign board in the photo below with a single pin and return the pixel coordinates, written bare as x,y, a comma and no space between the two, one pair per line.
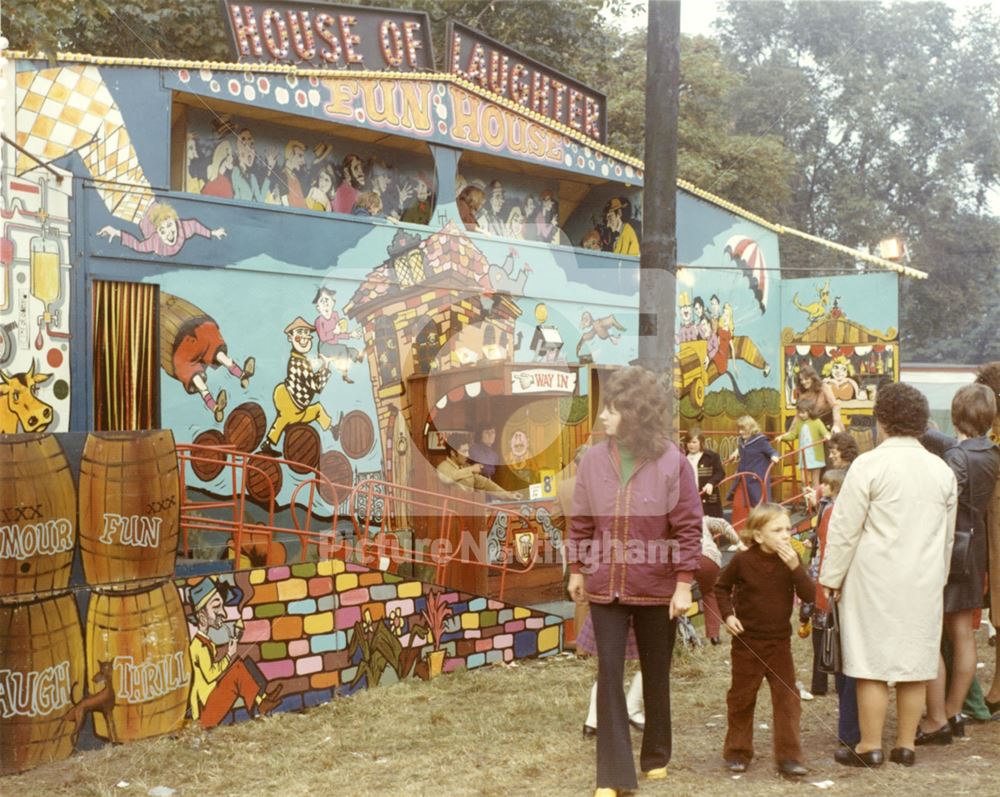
323,35
503,71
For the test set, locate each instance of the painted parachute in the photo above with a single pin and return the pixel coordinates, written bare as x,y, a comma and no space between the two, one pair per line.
748,255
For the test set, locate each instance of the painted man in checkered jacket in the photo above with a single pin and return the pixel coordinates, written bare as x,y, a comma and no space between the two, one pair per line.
294,399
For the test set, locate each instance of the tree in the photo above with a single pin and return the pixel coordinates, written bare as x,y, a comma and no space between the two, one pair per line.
889,111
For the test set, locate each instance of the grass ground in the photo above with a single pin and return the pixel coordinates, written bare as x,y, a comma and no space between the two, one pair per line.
498,731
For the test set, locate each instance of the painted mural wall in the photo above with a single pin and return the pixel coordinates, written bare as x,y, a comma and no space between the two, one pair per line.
35,300
728,320
98,641
832,325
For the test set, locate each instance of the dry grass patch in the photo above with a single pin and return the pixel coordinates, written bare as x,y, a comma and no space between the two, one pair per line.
495,731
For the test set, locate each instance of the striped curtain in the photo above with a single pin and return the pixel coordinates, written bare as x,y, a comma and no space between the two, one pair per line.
126,353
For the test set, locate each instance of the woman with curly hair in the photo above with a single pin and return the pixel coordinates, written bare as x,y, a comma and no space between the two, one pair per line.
886,563
809,385
634,547
842,450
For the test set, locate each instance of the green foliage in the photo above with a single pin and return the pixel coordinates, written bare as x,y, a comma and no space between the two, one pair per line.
759,403
889,110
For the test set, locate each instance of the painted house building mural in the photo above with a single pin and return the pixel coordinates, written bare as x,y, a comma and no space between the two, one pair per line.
283,290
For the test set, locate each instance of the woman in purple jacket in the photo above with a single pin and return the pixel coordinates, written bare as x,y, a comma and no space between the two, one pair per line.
635,544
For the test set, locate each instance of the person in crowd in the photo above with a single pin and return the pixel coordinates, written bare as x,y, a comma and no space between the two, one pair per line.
810,386
546,220
886,563
220,172
251,180
813,616
617,215
809,432
368,204
975,461
419,211
708,470
470,202
841,450
455,468
636,466
491,219
482,451
292,194
515,223
592,240
755,456
320,196
352,183
714,529
394,197
989,375
530,211
755,594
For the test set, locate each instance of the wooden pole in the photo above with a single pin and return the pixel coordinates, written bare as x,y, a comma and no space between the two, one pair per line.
658,262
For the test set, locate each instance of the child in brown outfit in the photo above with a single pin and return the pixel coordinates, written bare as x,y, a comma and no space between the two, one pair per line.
755,594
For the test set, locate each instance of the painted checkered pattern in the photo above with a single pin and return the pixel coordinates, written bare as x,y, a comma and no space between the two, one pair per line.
61,109
303,383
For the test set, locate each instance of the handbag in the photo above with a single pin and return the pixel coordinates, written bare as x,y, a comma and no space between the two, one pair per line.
830,656
961,552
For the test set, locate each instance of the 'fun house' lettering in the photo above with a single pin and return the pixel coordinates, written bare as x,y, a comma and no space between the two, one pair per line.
148,680
36,693
137,531
25,540
478,122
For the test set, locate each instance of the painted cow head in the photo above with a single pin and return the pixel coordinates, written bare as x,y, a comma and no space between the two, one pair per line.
19,402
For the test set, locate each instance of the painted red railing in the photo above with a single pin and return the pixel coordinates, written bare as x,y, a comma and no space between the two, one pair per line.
381,549
405,501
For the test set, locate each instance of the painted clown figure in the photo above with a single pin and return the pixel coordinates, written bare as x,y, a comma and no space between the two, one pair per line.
295,398
217,683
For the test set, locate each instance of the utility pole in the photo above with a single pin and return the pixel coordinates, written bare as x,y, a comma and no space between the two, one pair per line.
658,261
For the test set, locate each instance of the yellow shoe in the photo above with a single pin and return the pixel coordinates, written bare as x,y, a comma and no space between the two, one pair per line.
660,773
605,792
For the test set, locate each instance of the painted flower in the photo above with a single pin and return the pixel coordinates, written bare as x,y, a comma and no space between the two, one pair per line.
368,624
396,622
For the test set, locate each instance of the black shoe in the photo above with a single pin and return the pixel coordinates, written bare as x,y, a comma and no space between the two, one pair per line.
941,736
903,755
850,758
792,769
736,767
589,732
716,641
994,707
957,725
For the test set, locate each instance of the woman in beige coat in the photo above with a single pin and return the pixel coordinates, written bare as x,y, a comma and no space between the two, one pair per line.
886,563
989,375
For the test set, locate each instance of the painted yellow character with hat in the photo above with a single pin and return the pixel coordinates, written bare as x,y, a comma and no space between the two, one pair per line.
295,397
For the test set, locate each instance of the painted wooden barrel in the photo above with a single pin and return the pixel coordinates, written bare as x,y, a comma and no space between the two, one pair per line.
208,464
37,514
129,506
357,434
144,634
178,319
302,447
42,676
245,427
337,468
263,479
